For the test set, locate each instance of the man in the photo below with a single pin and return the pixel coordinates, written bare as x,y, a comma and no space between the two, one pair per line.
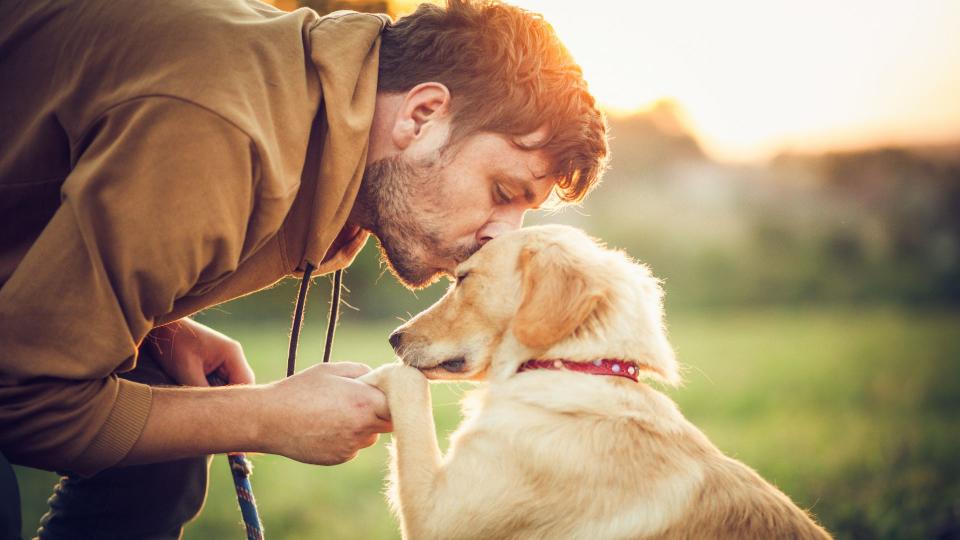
159,158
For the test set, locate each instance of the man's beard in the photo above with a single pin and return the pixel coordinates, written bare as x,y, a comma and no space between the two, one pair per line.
407,236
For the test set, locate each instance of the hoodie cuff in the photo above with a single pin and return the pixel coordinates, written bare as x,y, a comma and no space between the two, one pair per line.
121,430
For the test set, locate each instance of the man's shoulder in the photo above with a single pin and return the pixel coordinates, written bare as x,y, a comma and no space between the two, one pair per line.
243,60
187,19
203,41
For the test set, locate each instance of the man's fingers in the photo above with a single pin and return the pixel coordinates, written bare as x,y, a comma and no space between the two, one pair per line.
369,441
237,369
380,408
383,426
192,375
350,370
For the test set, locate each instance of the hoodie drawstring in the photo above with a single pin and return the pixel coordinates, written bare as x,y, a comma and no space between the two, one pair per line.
240,467
298,316
334,313
298,319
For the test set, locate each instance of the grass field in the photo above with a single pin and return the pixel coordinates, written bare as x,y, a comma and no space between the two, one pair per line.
853,413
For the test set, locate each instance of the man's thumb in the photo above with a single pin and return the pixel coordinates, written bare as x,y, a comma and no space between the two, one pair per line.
350,370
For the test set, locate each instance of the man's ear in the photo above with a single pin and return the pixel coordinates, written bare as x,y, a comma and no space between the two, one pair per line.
558,296
424,104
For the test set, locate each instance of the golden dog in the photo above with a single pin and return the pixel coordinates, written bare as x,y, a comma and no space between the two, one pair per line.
566,440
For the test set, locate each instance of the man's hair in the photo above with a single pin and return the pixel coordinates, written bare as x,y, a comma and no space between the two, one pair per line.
507,73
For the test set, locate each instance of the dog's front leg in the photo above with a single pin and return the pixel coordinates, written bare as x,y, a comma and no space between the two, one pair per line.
416,454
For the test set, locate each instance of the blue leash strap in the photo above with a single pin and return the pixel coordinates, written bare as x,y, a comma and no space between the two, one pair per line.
240,466
240,469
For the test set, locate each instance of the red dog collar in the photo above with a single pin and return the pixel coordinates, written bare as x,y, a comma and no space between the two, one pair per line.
606,366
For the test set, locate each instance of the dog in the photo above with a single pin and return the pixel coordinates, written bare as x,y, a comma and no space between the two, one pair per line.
566,440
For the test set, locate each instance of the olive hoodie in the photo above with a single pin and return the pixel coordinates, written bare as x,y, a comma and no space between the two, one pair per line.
157,158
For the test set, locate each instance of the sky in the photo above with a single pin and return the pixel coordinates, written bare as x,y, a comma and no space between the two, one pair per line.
757,77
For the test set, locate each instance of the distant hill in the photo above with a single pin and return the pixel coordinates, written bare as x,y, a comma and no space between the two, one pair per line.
878,224
652,138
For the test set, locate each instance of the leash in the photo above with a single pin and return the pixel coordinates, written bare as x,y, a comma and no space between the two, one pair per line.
240,466
240,470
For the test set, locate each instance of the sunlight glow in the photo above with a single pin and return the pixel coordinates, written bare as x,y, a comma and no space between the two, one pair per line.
756,77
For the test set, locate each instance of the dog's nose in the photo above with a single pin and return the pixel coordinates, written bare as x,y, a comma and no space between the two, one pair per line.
395,340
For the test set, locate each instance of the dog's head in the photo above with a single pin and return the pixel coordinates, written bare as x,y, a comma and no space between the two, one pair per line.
547,292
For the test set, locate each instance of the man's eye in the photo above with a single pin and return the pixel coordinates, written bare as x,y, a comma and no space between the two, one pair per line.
461,277
501,195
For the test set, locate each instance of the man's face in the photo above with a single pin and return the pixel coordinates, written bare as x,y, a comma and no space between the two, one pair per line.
431,210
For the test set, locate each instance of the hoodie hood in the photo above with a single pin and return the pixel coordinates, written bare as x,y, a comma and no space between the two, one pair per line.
344,50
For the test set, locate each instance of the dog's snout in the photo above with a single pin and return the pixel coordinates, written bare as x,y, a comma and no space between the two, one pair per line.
395,339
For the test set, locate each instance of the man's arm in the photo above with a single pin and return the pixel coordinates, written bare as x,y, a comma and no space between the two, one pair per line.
320,415
165,196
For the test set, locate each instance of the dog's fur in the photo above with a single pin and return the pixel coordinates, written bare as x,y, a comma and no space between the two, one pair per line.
560,454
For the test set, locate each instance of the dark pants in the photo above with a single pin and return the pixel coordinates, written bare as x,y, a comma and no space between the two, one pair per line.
140,501
9,501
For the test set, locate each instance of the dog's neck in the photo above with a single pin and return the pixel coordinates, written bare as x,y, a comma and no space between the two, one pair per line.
605,366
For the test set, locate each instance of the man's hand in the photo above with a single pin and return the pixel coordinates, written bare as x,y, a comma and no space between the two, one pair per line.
322,415
189,351
326,415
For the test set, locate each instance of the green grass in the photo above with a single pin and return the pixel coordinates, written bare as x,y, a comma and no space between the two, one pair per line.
853,413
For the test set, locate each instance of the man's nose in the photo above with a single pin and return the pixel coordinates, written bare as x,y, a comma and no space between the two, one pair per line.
495,228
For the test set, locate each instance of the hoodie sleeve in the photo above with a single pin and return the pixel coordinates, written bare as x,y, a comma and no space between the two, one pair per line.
157,206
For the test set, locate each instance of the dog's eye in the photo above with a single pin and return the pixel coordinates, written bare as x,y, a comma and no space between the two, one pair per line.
461,277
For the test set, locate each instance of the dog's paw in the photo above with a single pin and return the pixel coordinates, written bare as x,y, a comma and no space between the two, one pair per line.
377,376
393,377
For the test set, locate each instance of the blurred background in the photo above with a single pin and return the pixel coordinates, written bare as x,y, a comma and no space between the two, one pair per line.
792,171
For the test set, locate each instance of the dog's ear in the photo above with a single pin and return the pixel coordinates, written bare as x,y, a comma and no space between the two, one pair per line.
654,347
557,296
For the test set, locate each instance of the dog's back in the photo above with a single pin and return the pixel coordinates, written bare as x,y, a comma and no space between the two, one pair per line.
599,458
733,501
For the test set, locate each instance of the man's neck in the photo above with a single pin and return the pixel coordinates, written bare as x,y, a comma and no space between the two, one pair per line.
360,214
